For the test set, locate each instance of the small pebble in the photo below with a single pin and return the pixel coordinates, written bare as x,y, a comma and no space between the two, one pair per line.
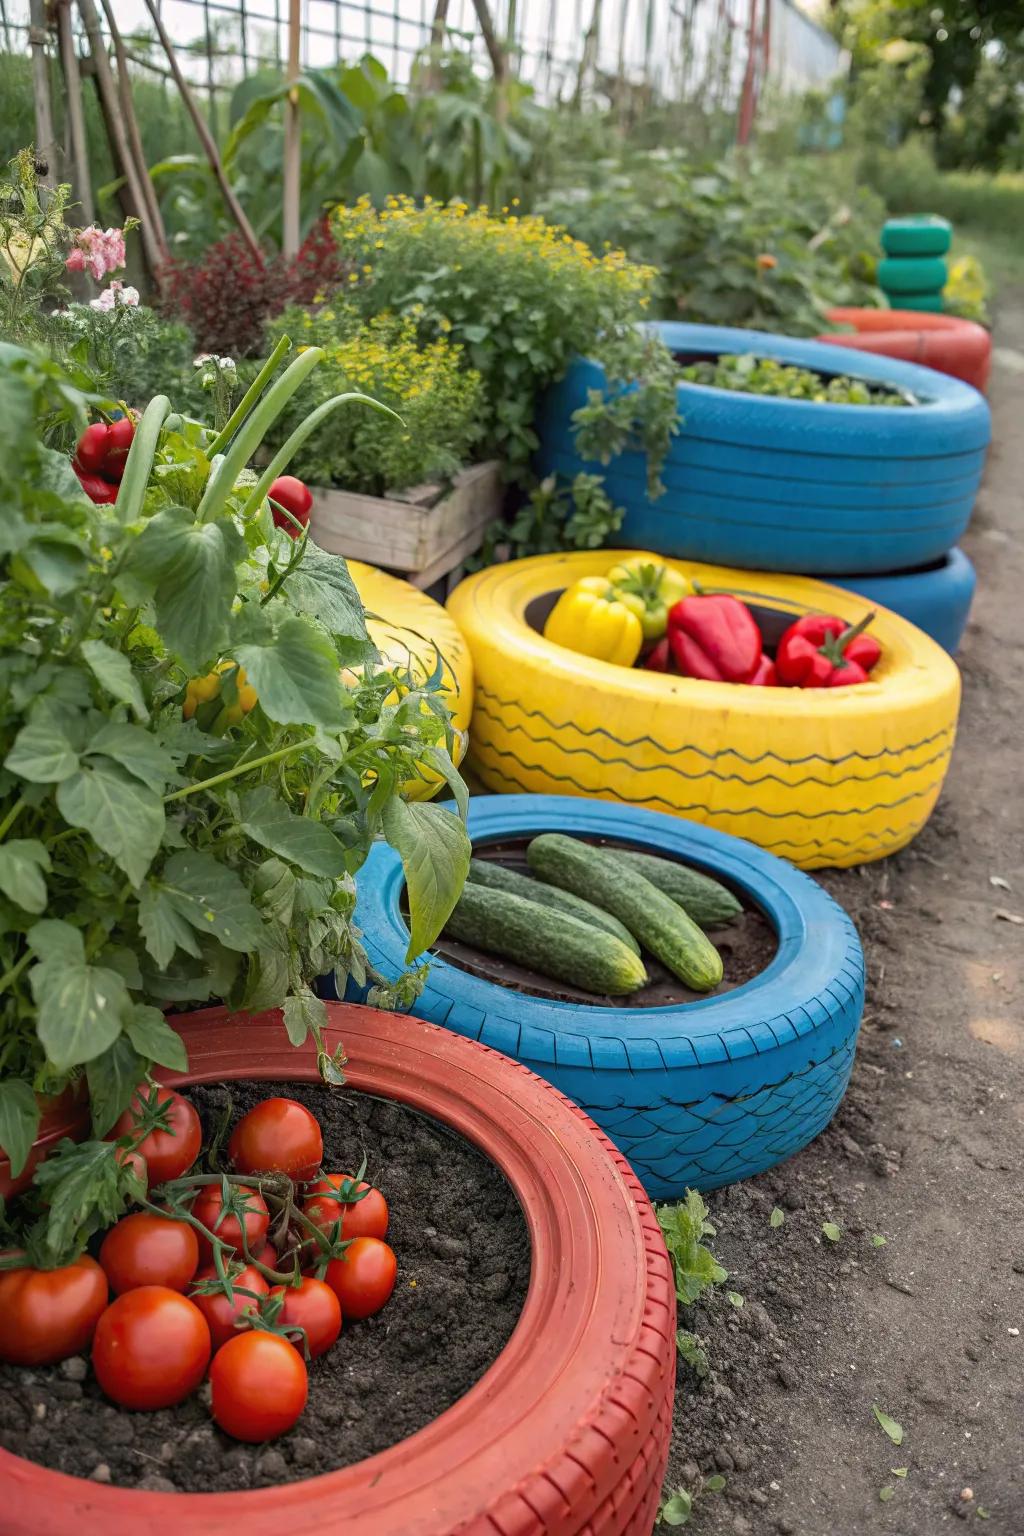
758,1496
100,1473
153,1483
967,1494
303,1451
40,1410
74,1368
789,1377
723,1461
272,1466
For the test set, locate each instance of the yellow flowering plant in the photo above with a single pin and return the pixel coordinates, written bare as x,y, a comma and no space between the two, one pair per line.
438,403
518,295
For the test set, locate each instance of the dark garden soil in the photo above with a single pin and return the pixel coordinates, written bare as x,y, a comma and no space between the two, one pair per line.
747,947
927,1151
463,1266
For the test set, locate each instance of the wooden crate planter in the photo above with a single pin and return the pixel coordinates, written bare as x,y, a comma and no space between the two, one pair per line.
424,532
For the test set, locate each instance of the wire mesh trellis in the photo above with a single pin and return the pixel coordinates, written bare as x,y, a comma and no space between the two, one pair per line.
677,49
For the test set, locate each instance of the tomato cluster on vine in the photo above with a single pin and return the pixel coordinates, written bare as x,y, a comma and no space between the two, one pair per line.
244,1275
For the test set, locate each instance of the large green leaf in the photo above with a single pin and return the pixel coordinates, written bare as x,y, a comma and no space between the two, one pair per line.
79,1009
163,927
113,1078
153,1037
53,939
58,563
137,751
299,839
124,817
213,900
435,851
19,1121
42,752
188,569
113,672
322,586
296,676
22,862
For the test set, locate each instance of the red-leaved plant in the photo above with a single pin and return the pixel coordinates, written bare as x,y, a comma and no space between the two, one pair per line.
228,295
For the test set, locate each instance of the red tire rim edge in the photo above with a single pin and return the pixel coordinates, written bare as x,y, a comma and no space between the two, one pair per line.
562,1169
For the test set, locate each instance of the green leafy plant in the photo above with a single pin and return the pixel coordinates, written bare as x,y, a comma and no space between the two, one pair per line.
638,408
437,402
151,861
753,375
693,1352
560,514
518,295
684,1226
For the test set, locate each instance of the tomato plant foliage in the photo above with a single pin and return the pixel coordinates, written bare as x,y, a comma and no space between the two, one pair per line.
148,861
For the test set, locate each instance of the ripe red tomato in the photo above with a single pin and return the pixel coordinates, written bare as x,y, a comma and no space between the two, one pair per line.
168,1154
48,1314
143,1249
367,1217
221,1314
91,451
363,1278
296,498
280,1136
311,1305
151,1348
119,439
208,1207
267,1255
259,1386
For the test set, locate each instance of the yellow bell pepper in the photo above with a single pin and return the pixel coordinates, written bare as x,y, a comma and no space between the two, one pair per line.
590,618
205,690
650,588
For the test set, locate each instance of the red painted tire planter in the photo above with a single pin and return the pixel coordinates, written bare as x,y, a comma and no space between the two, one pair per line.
943,342
66,1114
566,1432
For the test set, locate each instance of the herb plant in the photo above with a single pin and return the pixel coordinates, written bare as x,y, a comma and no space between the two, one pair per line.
438,403
753,375
150,861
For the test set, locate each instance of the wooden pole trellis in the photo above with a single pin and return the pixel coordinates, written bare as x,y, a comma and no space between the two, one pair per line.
131,125
76,116
292,136
46,143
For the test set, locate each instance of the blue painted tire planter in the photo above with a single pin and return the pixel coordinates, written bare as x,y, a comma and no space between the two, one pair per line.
937,599
697,1095
792,485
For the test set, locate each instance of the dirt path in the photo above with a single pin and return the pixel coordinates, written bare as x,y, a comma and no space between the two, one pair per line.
927,1151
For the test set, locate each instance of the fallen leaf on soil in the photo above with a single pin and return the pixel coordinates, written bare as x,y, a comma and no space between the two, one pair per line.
734,1298
886,1493
877,1240
898,1471
1002,914
776,1218
831,1231
714,1484
892,1429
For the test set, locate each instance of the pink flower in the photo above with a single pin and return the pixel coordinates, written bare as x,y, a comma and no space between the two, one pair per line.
100,251
114,297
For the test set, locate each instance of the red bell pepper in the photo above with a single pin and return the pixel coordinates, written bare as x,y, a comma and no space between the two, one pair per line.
100,457
95,487
765,676
819,645
660,658
714,637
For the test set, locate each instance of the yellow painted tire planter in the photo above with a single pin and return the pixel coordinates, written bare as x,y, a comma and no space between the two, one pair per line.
410,630
822,777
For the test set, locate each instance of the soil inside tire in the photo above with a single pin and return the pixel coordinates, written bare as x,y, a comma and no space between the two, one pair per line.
463,1267
747,947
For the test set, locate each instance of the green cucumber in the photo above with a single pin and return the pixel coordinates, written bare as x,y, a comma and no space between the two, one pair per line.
498,878
551,943
705,900
661,925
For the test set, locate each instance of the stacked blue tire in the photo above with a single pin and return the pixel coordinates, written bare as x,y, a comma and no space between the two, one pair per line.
764,483
695,1095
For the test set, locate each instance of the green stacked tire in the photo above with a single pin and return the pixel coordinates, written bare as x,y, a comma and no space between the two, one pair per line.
912,274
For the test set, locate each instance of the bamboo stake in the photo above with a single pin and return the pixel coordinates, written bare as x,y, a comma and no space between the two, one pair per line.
205,137
46,144
131,123
497,57
746,117
76,117
115,129
292,136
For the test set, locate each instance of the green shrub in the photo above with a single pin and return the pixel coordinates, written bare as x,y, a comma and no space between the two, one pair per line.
520,296
438,403
769,248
